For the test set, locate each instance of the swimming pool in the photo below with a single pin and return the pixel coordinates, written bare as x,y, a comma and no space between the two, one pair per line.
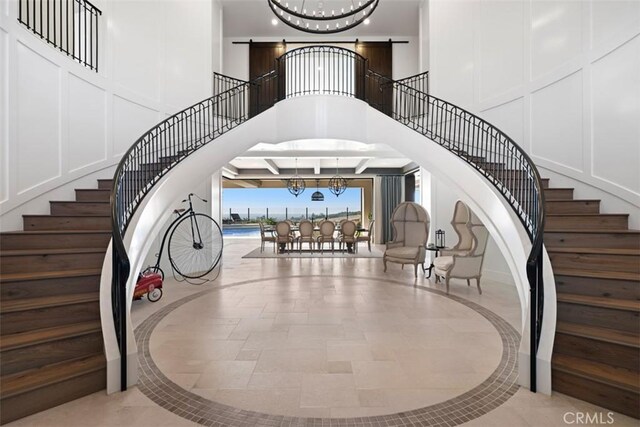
241,231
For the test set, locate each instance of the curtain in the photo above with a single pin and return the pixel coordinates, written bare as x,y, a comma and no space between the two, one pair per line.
391,196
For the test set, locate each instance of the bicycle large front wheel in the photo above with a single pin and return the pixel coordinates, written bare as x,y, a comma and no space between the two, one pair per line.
195,245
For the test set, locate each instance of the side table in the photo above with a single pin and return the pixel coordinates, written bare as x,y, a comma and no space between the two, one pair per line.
433,248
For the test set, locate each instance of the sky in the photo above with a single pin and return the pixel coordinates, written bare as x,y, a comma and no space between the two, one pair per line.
276,199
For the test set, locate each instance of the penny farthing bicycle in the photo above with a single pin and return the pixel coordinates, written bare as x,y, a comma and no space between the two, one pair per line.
194,244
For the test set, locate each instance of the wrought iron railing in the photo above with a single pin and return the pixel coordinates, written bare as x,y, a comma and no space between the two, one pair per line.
151,157
302,72
69,25
419,82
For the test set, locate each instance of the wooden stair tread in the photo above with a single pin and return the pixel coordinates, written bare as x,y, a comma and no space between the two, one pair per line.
41,275
607,374
54,232
572,200
38,336
618,304
596,274
64,216
23,382
601,334
20,252
592,231
588,214
48,301
599,251
93,189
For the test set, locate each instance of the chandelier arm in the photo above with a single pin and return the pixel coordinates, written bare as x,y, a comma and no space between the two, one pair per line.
275,5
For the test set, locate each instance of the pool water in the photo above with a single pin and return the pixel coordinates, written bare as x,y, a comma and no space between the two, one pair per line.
241,231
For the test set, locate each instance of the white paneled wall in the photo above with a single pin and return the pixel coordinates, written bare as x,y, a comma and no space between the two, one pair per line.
560,77
62,125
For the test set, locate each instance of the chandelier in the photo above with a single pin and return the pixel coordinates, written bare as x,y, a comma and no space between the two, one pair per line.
337,184
295,184
317,196
320,18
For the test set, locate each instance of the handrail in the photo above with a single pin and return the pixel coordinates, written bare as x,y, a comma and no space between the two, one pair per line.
151,157
300,72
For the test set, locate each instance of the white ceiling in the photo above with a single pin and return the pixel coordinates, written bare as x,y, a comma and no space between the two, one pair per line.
252,18
316,154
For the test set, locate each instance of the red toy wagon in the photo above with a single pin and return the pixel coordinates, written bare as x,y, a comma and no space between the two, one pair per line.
149,284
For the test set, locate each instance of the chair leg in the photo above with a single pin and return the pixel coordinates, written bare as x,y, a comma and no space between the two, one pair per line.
468,282
446,282
479,288
369,243
385,264
415,270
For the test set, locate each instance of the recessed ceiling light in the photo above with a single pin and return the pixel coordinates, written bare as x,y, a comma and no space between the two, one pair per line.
367,21
274,21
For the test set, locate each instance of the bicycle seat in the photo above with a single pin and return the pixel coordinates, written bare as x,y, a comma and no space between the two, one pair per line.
178,211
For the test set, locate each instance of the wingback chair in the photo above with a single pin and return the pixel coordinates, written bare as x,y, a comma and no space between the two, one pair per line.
460,262
410,223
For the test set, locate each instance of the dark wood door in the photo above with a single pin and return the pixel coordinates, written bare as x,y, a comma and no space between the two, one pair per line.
378,91
262,71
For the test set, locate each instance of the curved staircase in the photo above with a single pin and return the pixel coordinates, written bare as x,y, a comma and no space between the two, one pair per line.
51,344
596,263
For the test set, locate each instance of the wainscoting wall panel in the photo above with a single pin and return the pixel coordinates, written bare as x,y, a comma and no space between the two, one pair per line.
556,122
39,119
4,112
510,115
87,142
556,34
616,115
130,121
63,125
501,70
580,88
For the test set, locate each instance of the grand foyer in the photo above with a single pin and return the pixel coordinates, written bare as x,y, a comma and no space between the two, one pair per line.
417,155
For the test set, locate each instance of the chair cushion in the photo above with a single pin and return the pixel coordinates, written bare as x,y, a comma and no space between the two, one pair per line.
406,252
443,262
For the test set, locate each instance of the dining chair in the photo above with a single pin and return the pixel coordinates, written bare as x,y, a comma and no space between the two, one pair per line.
326,235
283,234
348,233
366,238
306,235
264,238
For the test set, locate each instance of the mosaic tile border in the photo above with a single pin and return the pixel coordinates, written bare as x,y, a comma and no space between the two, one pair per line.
491,393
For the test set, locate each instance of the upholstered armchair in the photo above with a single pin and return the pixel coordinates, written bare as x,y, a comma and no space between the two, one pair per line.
464,260
410,223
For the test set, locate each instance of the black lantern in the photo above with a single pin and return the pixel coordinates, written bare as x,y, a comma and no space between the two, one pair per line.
317,196
440,243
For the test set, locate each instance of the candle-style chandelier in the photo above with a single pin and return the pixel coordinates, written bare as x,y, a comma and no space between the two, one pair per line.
337,184
323,17
295,184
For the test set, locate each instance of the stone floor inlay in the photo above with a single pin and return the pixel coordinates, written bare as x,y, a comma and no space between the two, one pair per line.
493,391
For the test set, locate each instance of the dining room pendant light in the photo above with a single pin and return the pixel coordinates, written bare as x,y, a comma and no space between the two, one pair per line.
295,184
320,17
337,184
317,196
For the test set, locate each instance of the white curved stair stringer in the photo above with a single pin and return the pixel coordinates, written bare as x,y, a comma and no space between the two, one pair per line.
337,117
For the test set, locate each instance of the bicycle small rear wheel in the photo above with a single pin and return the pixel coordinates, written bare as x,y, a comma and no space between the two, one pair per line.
195,246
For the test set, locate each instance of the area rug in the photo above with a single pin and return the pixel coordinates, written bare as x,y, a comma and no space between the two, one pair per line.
268,253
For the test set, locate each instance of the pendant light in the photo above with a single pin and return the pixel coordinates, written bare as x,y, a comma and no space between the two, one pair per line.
337,184
317,196
295,184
